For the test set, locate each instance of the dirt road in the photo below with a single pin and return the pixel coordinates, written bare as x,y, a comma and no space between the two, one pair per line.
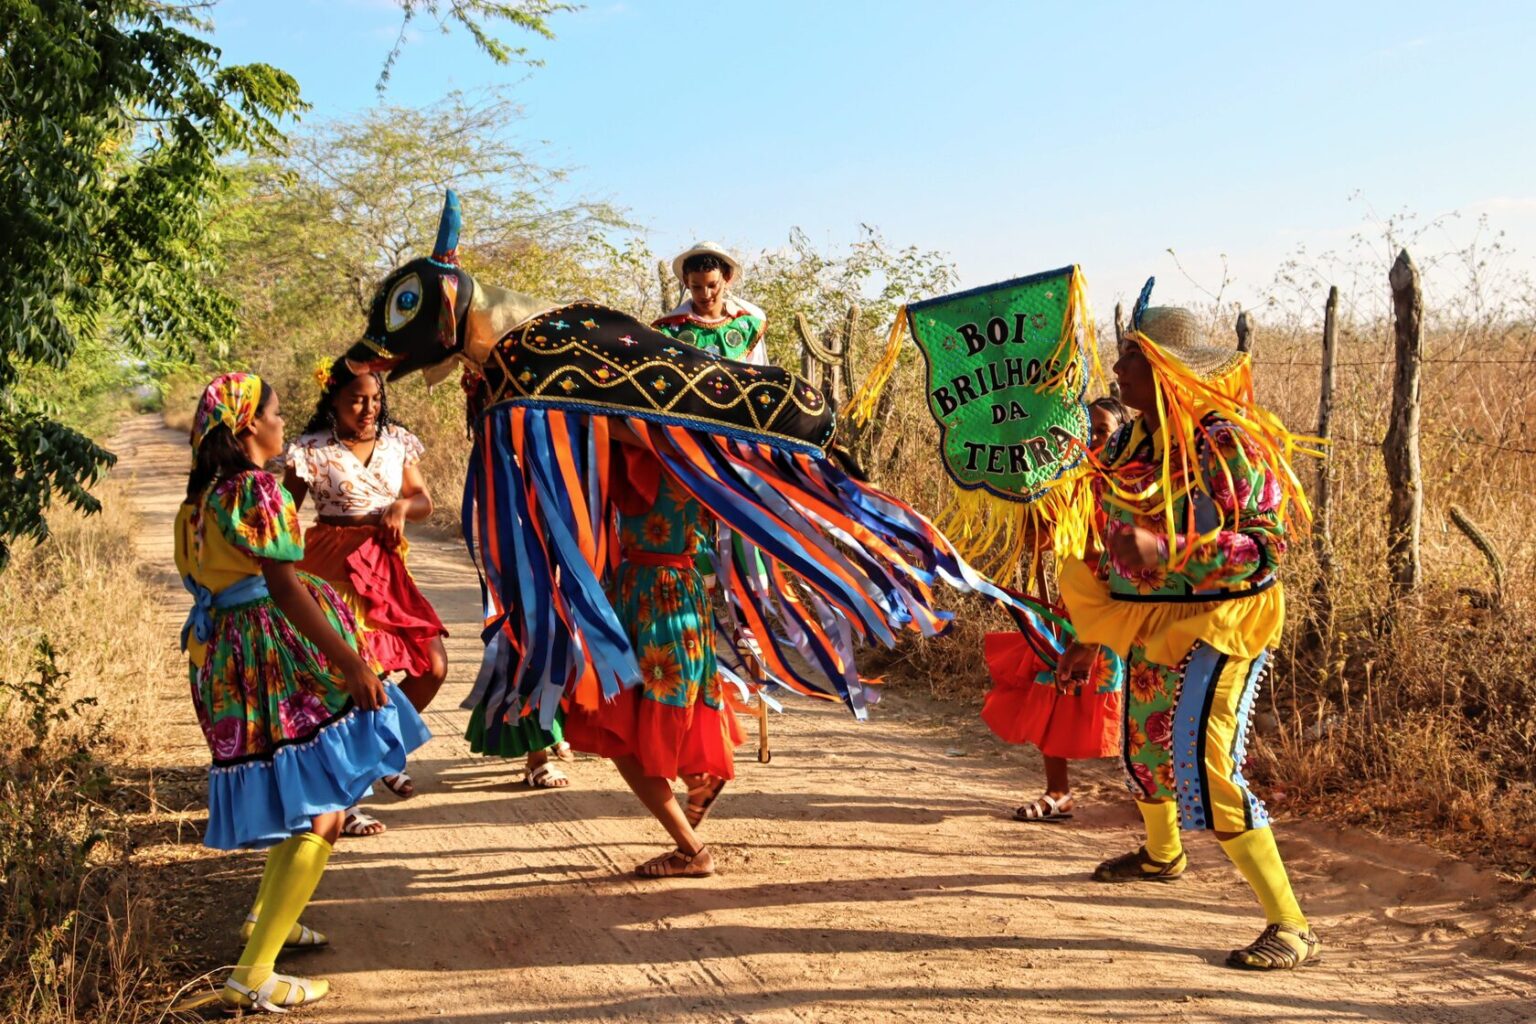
868,874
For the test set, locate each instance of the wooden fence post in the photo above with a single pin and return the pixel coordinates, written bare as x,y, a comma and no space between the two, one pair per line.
669,293
1322,504
1405,507
1244,332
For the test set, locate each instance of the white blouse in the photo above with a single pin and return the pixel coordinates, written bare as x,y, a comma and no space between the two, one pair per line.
339,482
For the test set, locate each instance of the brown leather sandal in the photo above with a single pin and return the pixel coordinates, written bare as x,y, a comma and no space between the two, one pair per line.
1140,867
1269,952
677,864
700,800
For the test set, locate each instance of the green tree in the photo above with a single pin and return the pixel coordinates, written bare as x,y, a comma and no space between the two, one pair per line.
472,16
116,122
114,117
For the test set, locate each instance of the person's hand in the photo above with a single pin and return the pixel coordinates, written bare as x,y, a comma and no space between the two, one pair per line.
1136,548
1074,666
365,687
392,526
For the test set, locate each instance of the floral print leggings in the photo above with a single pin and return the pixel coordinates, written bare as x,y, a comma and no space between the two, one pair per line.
1186,734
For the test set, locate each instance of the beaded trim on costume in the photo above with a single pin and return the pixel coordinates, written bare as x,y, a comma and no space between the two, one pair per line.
232,764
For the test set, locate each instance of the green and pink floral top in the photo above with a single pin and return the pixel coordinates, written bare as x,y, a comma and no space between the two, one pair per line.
1236,508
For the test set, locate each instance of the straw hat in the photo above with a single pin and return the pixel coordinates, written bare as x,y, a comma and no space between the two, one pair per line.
1179,334
700,249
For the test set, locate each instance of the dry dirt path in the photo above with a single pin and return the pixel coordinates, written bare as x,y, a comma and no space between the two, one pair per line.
866,874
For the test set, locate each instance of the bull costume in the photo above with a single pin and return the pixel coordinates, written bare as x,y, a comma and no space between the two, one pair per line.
600,447
1198,500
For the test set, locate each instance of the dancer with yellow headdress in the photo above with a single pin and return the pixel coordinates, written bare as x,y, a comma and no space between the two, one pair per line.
1198,499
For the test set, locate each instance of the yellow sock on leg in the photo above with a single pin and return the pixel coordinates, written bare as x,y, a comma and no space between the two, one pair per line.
1257,859
278,859
284,898
1162,821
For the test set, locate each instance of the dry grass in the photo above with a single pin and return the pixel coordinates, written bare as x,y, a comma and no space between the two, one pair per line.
83,591
79,939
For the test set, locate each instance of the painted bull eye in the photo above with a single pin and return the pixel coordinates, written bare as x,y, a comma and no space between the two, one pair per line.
404,302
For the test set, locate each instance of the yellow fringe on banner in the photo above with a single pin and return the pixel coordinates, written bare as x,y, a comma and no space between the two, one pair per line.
998,536
861,406
1076,329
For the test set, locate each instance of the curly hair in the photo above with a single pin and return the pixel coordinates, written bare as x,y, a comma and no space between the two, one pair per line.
324,417
703,263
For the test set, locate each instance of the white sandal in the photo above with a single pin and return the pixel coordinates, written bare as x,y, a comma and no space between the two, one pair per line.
1047,808
547,776
357,823
300,992
400,784
308,938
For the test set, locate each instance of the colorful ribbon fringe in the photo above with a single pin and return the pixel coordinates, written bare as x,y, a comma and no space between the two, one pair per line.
819,561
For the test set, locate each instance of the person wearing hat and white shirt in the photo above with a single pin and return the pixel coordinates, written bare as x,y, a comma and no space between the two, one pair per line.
710,317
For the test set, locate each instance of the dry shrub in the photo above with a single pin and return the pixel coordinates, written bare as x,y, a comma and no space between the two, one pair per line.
76,942
82,590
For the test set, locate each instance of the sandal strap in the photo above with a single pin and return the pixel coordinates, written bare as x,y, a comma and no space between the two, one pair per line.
1046,806
261,995
543,771
664,862
1274,952
357,820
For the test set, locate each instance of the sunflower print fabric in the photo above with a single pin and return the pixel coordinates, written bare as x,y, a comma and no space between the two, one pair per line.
1150,693
666,608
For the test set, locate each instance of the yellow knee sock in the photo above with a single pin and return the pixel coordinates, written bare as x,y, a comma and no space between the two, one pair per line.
283,899
277,862
1257,859
1162,821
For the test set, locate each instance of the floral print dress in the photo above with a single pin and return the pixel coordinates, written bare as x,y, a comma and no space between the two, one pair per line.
676,721
286,741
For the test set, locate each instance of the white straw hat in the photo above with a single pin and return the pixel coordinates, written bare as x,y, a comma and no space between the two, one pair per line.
700,249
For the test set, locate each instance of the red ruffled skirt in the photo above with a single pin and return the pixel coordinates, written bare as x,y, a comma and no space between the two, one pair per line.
1024,705
678,721
398,622
668,741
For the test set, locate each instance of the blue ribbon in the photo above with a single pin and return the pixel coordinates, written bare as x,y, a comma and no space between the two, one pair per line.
205,602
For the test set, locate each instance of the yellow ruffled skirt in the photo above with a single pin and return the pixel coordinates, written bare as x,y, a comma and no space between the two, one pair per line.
1242,627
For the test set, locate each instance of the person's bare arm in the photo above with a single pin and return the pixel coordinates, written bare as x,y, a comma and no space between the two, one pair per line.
296,602
296,487
414,504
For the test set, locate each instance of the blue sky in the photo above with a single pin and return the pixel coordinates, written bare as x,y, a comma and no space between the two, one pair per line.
1013,137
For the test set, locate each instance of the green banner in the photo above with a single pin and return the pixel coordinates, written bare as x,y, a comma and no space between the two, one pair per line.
1006,377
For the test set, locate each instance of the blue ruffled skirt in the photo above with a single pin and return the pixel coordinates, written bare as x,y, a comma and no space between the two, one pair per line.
262,802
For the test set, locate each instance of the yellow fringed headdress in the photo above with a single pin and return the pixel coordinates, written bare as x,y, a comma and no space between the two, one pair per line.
1193,379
